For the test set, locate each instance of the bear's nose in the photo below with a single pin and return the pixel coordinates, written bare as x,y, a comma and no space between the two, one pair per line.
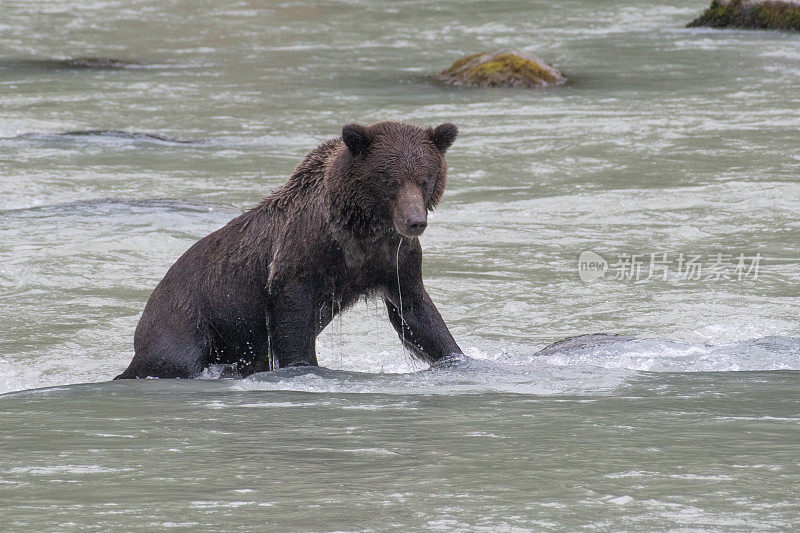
416,225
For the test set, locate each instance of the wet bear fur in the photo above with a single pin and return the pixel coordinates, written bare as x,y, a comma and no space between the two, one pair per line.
255,294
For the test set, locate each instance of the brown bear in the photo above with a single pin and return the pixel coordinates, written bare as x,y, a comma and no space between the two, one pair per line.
255,294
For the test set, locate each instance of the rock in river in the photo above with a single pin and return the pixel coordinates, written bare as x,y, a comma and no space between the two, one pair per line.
769,15
501,69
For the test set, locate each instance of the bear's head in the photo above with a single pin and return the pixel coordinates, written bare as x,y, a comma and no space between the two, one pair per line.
397,172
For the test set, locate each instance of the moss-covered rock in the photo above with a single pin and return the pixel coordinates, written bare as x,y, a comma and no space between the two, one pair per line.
501,69
768,15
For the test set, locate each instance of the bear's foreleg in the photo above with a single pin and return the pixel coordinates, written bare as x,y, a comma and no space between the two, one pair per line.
421,327
292,328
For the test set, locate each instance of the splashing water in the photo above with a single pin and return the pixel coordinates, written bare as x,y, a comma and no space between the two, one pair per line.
339,326
400,297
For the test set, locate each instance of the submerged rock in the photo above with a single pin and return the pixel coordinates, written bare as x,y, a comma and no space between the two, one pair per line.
74,63
501,69
588,340
132,135
98,63
117,134
768,15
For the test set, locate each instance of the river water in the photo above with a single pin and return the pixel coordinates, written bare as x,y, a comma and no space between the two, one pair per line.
667,141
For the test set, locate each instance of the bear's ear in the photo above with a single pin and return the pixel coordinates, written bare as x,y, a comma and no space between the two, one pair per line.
444,135
356,138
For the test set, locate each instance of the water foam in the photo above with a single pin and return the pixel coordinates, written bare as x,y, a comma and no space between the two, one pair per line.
510,369
576,370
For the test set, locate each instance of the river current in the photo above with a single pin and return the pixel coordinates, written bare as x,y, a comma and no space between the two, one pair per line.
671,157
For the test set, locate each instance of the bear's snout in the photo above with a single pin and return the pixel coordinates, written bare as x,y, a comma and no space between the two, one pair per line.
412,222
409,213
416,225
